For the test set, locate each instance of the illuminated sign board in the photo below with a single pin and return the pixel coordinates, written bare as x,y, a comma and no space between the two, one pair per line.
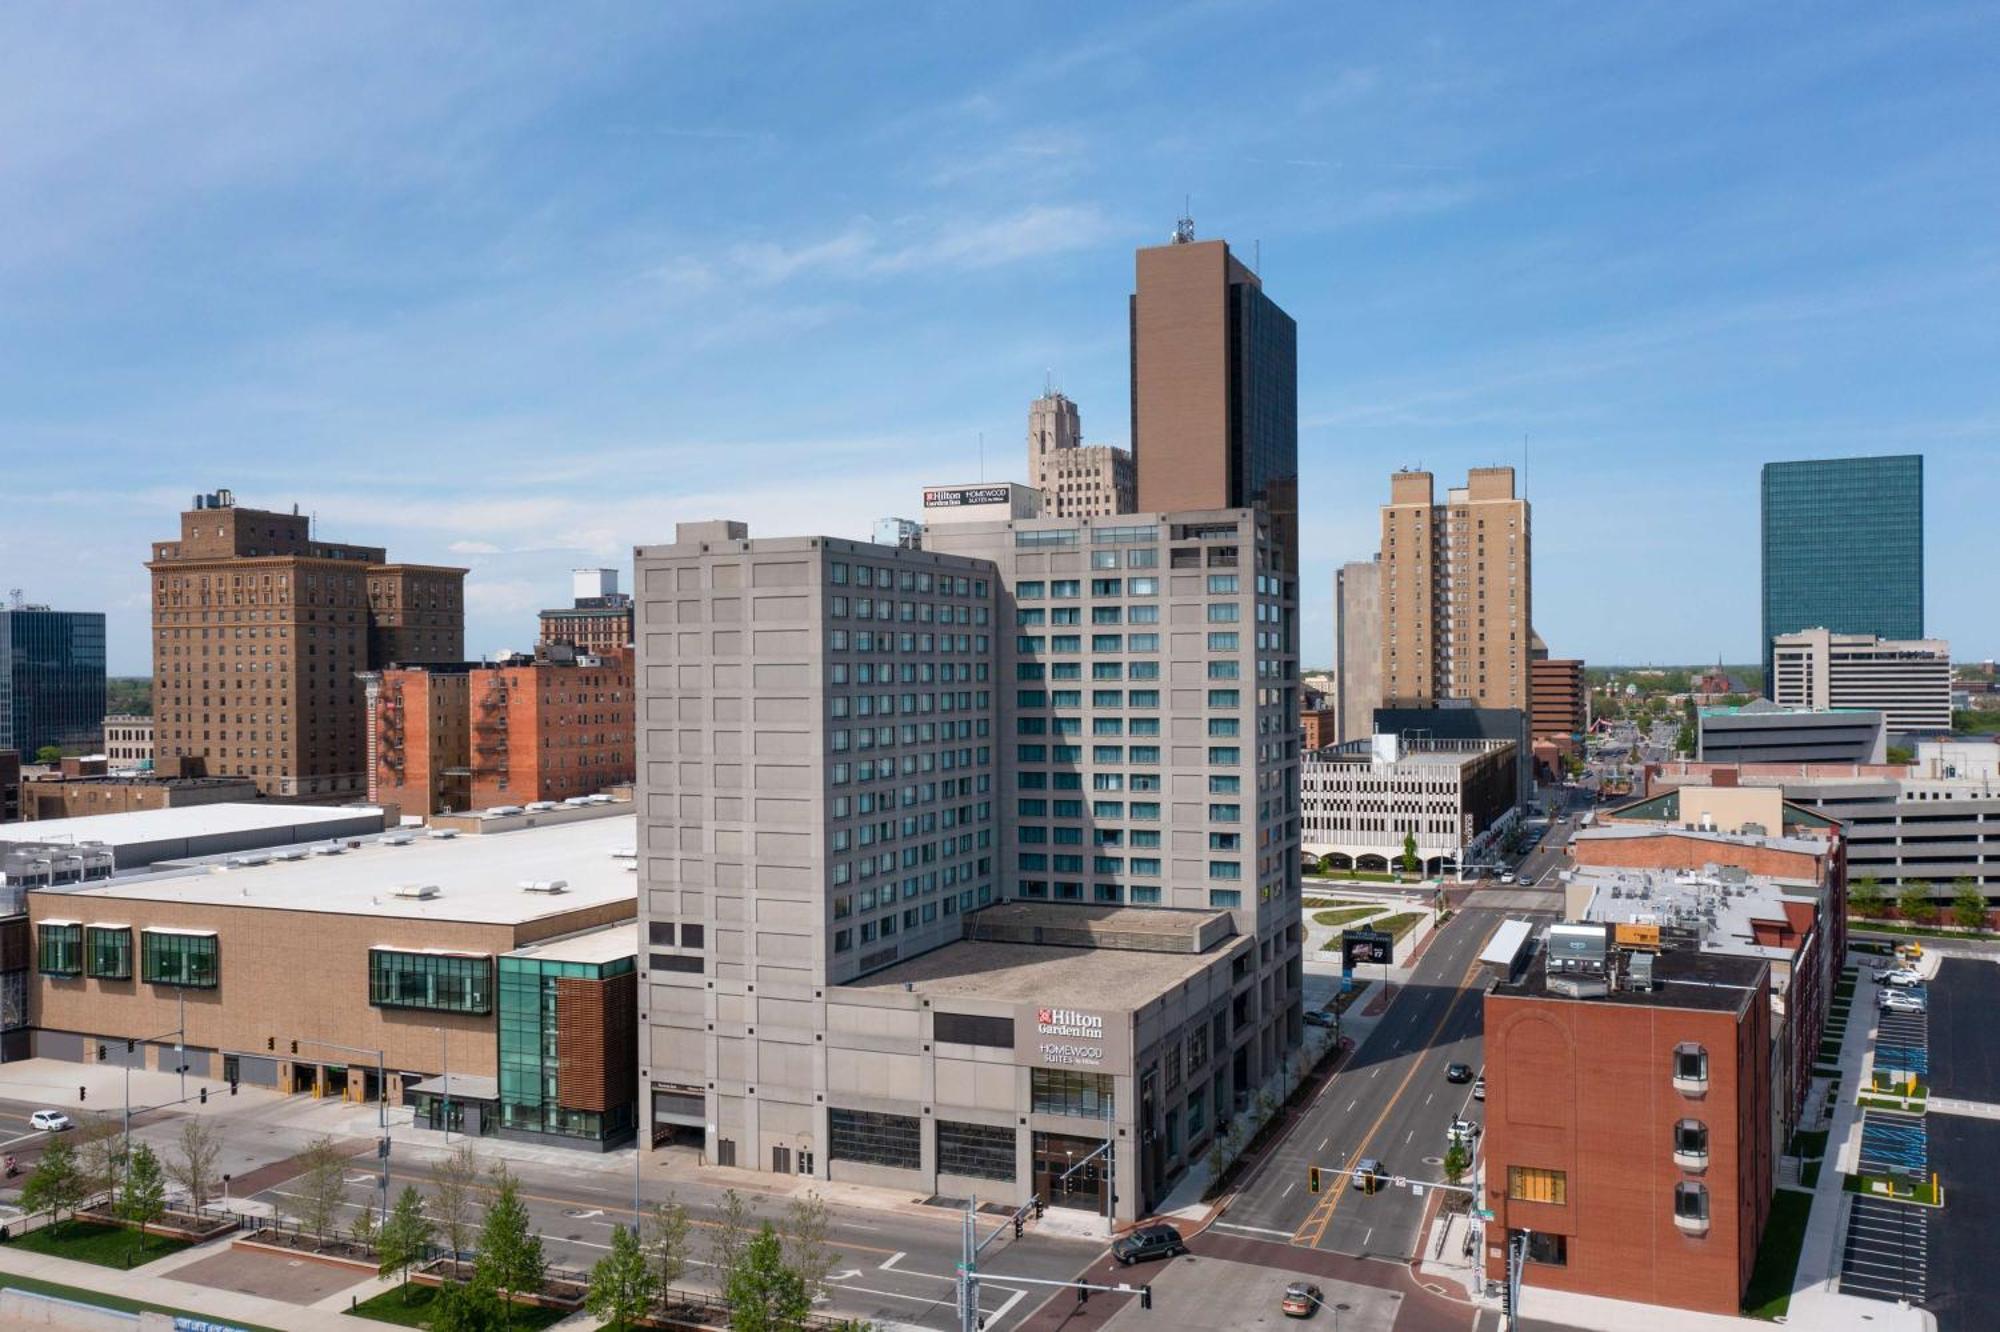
1068,1022
959,497
1371,946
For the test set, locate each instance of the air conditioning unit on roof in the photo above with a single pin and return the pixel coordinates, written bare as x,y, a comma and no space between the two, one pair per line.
421,892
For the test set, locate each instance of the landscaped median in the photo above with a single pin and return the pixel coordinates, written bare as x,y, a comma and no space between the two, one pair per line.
1927,1193
1395,926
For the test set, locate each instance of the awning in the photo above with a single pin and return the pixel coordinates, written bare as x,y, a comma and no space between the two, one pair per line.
461,1087
188,934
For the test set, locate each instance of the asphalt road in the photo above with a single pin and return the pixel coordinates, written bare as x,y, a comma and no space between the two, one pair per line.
1391,1102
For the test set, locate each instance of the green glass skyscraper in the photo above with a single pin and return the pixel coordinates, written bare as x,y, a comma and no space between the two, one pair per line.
1844,547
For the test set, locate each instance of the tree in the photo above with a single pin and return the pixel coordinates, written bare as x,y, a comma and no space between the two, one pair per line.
145,1199
1968,905
1914,902
762,1293
1409,853
667,1236
363,1231
731,1233
1900,755
1867,899
454,1193
405,1237
48,755
193,1168
56,1185
100,1158
510,1251
1456,1162
622,1286
322,1189
805,1245
467,1306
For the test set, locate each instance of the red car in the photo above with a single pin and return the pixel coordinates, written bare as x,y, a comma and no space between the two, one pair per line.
1302,1300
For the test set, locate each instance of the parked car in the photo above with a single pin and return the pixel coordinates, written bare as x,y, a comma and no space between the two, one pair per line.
51,1121
1900,1001
1148,1242
1462,1131
1479,1088
1903,978
1367,1175
1302,1300
1508,877
1319,1017
1458,1072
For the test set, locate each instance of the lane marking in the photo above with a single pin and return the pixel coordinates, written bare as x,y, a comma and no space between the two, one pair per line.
1288,1190
1322,1144
1254,1230
889,1264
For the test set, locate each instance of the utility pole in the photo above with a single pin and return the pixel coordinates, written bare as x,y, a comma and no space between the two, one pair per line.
1517,1257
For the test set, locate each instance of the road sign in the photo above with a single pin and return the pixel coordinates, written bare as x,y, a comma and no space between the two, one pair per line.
1416,1190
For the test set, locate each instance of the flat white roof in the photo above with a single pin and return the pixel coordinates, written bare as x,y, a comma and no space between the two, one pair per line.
478,878
158,825
1505,945
593,946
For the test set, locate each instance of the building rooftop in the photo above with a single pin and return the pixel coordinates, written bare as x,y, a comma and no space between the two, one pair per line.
595,947
1623,832
187,821
1143,929
1107,978
1682,978
477,880
1719,907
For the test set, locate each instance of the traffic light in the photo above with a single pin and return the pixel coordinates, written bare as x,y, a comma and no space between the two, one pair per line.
232,1086
1040,1207
1312,1179
130,1045
1146,1296
271,1044
82,1095
204,1096
101,1056
1018,1225
295,1047
1083,1294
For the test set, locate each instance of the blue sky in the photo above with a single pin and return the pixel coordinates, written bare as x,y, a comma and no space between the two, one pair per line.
520,287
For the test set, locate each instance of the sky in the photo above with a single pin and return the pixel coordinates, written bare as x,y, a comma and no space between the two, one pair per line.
519,287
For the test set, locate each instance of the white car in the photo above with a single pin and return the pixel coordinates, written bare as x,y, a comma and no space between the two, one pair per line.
1462,1131
1895,1001
51,1121
1508,877
1903,979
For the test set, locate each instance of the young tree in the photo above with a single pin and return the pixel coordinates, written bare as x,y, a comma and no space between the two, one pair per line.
145,1199
100,1159
510,1251
468,1306
1968,905
193,1167
454,1195
56,1185
1914,902
405,1237
805,1246
363,1231
1456,1162
667,1236
1409,853
1866,899
322,1188
731,1233
48,754
762,1293
622,1286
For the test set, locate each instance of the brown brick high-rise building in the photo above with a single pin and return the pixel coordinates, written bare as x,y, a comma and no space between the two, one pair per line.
473,735
1556,694
1215,402
599,618
260,629
1457,592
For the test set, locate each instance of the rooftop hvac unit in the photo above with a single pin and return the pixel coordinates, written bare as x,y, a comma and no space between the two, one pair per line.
541,806
502,811
292,853
545,885
250,859
421,892
398,839
442,834
329,849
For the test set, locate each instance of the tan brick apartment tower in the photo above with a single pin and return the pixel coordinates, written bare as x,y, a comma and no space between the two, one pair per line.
1457,592
1214,386
259,631
1077,480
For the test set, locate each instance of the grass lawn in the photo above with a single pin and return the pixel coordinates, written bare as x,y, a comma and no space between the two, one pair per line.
107,1246
1809,1145
1809,1175
1905,1192
1770,1292
1343,917
391,1307
81,1296
1397,925
1359,876
1319,903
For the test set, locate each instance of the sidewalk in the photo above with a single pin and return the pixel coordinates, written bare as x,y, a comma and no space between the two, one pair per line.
148,1286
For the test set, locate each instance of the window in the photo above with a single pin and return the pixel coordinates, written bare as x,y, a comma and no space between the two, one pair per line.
1058,1091
887,1140
1222,612
1549,1250
1533,1184
1221,584
1690,1142
1691,1205
968,1029
174,958
1690,1068
978,1150
109,956
60,951
1224,898
441,981
1222,642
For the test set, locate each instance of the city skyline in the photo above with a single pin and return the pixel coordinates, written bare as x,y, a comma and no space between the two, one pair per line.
539,255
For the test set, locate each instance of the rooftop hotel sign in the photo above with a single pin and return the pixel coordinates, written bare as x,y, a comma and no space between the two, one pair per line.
1081,1036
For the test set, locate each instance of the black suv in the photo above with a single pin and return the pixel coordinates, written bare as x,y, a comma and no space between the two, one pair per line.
1148,1242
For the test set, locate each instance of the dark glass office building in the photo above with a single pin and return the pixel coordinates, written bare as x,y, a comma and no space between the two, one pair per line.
53,691
1844,548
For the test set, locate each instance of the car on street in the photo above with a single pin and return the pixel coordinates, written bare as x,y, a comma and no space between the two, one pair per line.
1527,880
1367,1175
1508,877
1319,1017
1479,1088
51,1121
1458,1072
1302,1300
1462,1131
1148,1242
1899,1001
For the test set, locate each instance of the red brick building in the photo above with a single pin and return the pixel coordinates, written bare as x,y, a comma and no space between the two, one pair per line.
1319,725
1629,1132
473,735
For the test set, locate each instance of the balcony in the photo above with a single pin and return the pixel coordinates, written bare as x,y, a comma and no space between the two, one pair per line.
1691,1225
1691,1159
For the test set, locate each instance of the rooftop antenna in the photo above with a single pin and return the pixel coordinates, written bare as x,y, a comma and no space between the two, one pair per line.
1184,227
982,455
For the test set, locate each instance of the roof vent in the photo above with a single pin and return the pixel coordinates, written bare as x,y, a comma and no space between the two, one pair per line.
422,892
292,853
329,849
442,834
250,859
545,885
398,839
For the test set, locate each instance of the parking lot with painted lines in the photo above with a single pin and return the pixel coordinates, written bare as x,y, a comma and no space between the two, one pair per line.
1887,1256
1894,1144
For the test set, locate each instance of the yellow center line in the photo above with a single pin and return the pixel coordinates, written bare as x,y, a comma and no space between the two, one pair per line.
1322,1216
